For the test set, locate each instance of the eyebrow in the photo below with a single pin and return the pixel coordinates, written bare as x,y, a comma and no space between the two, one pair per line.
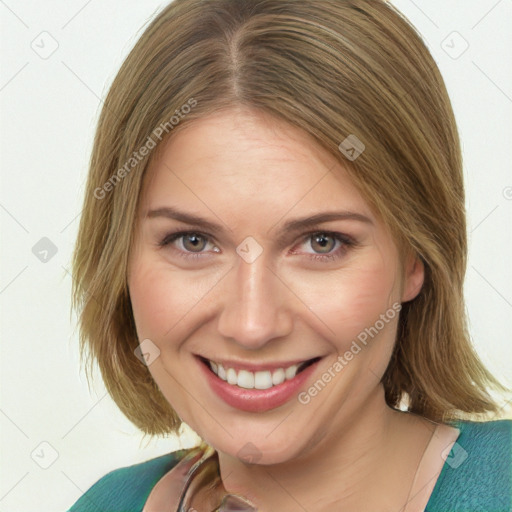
293,225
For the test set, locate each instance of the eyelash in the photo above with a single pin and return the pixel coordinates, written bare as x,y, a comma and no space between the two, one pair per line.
346,241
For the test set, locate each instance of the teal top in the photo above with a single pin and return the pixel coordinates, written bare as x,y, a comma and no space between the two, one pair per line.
476,476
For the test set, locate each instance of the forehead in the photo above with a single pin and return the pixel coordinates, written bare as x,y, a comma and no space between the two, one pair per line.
248,161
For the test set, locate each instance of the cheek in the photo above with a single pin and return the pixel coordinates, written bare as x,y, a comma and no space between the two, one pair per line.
165,299
350,300
158,300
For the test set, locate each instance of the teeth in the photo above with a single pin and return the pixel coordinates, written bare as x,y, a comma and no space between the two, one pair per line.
231,376
291,372
254,380
262,380
245,379
278,376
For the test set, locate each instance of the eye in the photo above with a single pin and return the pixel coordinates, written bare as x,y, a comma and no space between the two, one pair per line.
327,246
323,244
192,243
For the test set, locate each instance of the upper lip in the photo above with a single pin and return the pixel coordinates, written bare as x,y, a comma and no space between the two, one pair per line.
255,367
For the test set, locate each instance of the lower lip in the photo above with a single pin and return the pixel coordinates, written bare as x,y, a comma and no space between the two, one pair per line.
257,400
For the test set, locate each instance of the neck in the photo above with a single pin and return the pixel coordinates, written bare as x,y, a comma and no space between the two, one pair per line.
348,467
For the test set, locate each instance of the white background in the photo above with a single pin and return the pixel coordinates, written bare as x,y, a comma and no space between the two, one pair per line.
49,111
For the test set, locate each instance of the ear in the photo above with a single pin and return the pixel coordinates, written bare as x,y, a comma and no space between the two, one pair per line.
413,278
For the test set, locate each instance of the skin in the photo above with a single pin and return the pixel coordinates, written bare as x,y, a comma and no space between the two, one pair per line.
251,173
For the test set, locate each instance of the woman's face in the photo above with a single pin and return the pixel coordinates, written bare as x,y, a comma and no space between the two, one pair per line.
260,287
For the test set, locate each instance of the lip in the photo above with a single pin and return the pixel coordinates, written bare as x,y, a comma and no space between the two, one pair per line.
257,400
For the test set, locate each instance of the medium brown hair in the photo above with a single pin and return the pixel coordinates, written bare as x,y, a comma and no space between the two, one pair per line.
334,68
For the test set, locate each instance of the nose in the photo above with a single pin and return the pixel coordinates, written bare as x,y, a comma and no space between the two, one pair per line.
255,306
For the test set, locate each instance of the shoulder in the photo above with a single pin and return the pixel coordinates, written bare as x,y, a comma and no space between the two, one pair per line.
127,488
477,474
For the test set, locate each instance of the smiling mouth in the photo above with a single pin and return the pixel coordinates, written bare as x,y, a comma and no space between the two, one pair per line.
263,379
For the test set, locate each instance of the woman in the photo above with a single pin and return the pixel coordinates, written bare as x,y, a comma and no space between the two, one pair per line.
272,251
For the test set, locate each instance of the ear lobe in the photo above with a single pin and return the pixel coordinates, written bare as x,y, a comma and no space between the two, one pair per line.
413,279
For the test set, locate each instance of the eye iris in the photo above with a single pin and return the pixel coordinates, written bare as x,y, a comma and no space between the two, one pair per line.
196,243
323,240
